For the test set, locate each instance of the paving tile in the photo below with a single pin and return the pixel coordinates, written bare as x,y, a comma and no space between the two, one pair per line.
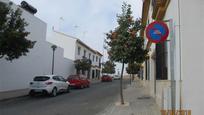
139,103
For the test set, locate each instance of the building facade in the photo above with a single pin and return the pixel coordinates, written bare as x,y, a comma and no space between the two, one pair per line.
76,49
17,74
174,71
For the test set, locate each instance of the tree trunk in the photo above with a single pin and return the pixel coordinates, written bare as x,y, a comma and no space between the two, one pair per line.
121,85
130,78
83,72
78,71
133,77
88,76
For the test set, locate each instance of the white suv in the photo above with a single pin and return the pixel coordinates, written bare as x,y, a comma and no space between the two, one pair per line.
48,84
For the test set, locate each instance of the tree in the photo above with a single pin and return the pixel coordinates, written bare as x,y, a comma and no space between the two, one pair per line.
13,42
86,64
83,65
77,64
124,42
108,67
133,68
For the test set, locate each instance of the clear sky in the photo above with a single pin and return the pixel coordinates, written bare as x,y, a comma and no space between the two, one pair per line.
87,20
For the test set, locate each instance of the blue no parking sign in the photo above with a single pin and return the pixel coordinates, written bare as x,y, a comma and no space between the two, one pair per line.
157,32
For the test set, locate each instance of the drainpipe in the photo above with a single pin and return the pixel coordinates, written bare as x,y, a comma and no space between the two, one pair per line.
180,56
173,107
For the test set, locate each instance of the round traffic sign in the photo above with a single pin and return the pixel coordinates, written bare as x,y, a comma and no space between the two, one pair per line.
157,31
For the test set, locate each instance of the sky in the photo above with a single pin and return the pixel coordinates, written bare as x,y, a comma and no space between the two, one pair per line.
87,20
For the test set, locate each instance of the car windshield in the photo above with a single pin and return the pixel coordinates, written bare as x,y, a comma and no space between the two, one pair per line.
41,78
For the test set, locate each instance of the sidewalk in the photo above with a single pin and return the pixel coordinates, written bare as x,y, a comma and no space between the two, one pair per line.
13,94
137,103
24,92
93,81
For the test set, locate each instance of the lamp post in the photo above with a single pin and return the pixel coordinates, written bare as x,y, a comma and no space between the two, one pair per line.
54,47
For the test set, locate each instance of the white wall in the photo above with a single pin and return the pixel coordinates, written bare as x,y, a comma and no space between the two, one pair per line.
192,57
192,44
70,46
94,62
173,51
64,41
18,73
81,51
185,56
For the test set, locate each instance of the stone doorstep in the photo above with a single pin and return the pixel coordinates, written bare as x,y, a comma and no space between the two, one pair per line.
13,94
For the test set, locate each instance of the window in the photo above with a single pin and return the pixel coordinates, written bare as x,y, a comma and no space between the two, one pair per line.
84,53
79,50
89,55
61,78
99,62
96,58
56,78
41,78
93,57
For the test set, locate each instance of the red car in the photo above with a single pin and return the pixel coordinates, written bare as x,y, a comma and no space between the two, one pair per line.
78,81
106,78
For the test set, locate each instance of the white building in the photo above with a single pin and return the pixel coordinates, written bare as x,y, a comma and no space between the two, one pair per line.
179,65
75,49
16,75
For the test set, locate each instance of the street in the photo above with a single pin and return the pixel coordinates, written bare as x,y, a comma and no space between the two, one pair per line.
89,101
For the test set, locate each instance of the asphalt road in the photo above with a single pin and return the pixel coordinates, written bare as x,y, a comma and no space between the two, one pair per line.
89,101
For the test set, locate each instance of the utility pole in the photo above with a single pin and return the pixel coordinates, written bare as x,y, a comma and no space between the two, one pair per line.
54,47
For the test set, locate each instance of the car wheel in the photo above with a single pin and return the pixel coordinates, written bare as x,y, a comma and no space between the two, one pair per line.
54,92
81,86
31,93
88,85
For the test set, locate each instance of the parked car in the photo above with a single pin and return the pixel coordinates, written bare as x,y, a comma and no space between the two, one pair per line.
116,77
48,84
106,78
78,81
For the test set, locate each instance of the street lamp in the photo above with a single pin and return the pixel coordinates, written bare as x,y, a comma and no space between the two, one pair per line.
54,47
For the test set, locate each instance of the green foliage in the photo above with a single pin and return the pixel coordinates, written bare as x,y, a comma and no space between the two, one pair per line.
108,67
124,42
13,42
82,64
133,68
